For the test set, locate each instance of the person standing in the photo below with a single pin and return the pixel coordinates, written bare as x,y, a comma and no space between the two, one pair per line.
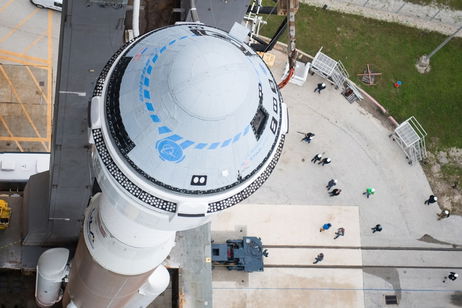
308,137
331,184
340,232
377,228
316,158
320,87
369,191
431,199
335,192
318,258
325,227
325,161
444,214
452,276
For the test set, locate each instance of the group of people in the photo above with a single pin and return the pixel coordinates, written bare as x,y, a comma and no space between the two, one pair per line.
340,232
445,213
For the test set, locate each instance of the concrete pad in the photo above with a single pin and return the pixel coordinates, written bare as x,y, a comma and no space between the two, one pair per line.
290,287
288,224
305,256
362,156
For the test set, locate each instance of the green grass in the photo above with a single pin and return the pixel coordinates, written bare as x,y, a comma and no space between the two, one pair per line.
452,4
435,99
452,170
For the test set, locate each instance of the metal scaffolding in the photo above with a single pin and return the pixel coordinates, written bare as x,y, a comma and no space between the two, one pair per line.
410,136
328,68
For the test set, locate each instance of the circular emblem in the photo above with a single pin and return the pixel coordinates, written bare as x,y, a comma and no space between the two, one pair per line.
169,151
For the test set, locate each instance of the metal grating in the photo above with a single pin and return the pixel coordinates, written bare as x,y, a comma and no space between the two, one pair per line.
328,68
407,134
324,63
391,300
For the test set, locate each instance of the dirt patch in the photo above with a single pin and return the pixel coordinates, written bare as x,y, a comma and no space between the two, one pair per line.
443,169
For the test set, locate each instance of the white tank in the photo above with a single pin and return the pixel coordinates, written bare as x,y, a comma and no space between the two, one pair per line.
51,271
156,284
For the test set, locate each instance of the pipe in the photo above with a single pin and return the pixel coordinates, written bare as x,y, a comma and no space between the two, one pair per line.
193,11
136,18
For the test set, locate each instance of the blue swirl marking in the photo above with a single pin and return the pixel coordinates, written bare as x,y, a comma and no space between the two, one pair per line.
154,59
155,118
149,107
226,143
169,151
237,137
162,49
246,130
149,70
186,144
214,145
146,81
200,146
147,94
164,130
174,137
172,42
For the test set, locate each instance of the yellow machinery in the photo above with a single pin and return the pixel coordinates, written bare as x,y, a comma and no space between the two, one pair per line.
5,214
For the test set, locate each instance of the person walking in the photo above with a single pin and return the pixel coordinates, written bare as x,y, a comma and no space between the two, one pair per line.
325,227
444,214
318,258
316,158
431,199
325,161
320,87
369,191
335,192
308,137
452,276
331,184
377,228
340,232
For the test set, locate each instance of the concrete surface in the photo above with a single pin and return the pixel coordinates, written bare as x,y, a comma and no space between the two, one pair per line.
289,287
29,39
292,205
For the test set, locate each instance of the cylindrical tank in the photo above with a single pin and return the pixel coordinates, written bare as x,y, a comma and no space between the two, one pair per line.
51,270
186,121
156,284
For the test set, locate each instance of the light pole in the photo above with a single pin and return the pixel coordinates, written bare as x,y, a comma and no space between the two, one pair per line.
423,64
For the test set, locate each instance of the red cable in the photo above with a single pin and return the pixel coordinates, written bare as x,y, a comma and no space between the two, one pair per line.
286,81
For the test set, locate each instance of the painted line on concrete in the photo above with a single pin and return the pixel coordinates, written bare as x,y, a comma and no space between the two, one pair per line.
360,266
6,5
19,25
346,289
35,42
23,56
31,122
23,62
365,247
10,133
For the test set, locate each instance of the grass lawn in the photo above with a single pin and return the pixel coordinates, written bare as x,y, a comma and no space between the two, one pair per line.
435,99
